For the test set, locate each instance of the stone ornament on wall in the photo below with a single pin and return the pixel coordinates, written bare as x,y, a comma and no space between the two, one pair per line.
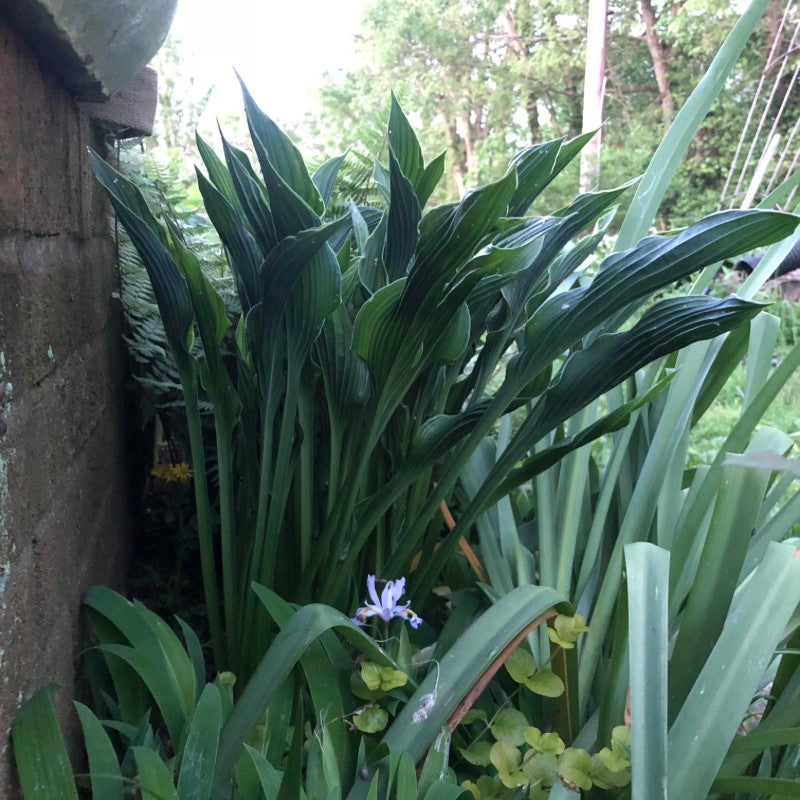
130,112
95,47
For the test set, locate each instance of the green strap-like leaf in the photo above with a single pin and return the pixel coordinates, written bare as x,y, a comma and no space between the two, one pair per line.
737,504
475,651
104,772
155,779
648,631
200,753
760,787
40,755
305,627
732,674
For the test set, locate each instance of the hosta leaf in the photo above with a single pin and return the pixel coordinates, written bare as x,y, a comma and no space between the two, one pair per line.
345,374
403,219
636,273
378,332
217,171
286,263
371,268
570,149
451,342
588,373
325,177
169,285
404,144
450,236
274,146
244,255
431,176
534,168
251,194
546,457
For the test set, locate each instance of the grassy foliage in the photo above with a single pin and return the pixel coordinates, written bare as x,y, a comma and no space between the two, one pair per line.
391,366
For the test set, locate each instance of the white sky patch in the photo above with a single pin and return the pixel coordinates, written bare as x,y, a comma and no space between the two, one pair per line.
280,50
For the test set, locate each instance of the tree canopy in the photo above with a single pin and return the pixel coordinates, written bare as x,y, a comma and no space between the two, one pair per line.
482,78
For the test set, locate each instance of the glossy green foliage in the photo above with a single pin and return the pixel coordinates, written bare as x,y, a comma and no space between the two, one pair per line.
357,384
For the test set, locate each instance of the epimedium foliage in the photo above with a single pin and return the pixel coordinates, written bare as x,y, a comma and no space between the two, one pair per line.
356,383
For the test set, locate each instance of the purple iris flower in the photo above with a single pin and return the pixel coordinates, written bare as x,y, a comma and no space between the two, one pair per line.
387,606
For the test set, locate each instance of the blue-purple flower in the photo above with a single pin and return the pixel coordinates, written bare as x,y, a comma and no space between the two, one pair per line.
387,606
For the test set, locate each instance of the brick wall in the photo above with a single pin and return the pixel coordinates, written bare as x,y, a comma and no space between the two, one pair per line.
64,501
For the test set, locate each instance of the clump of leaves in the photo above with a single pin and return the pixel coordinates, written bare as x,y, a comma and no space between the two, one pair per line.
354,388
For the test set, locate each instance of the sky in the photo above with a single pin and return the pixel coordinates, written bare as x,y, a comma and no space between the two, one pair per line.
281,49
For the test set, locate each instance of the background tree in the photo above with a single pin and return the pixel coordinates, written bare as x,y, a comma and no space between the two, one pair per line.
485,77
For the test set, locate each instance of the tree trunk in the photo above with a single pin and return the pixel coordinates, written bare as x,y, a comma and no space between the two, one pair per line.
516,45
458,168
593,89
658,55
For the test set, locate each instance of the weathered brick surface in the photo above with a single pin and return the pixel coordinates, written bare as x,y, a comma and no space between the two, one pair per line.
64,502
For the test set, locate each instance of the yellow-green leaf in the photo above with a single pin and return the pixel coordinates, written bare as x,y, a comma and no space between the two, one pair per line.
520,665
544,742
540,768
505,757
371,675
566,630
574,768
605,777
546,683
477,753
371,719
392,678
509,725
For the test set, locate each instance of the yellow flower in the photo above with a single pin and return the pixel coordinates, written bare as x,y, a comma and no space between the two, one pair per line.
172,473
181,472
161,471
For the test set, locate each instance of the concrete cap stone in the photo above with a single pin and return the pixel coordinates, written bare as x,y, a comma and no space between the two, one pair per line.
95,47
